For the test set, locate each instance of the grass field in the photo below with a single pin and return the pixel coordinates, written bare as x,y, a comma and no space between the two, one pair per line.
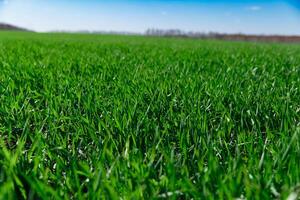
128,117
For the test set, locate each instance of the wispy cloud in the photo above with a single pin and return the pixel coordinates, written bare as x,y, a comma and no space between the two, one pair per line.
254,8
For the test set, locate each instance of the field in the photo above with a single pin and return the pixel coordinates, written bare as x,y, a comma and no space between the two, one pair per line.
131,117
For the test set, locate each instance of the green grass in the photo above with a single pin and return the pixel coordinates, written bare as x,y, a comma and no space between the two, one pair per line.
127,117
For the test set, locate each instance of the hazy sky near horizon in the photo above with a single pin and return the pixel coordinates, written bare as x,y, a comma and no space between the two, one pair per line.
235,16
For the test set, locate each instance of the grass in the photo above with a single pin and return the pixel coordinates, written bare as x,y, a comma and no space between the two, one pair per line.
128,117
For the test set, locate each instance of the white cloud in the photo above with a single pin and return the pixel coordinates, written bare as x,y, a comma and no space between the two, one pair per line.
254,8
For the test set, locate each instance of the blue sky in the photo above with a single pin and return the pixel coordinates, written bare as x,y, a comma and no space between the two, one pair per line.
235,16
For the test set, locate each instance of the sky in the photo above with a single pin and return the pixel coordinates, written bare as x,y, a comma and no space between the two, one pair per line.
224,16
